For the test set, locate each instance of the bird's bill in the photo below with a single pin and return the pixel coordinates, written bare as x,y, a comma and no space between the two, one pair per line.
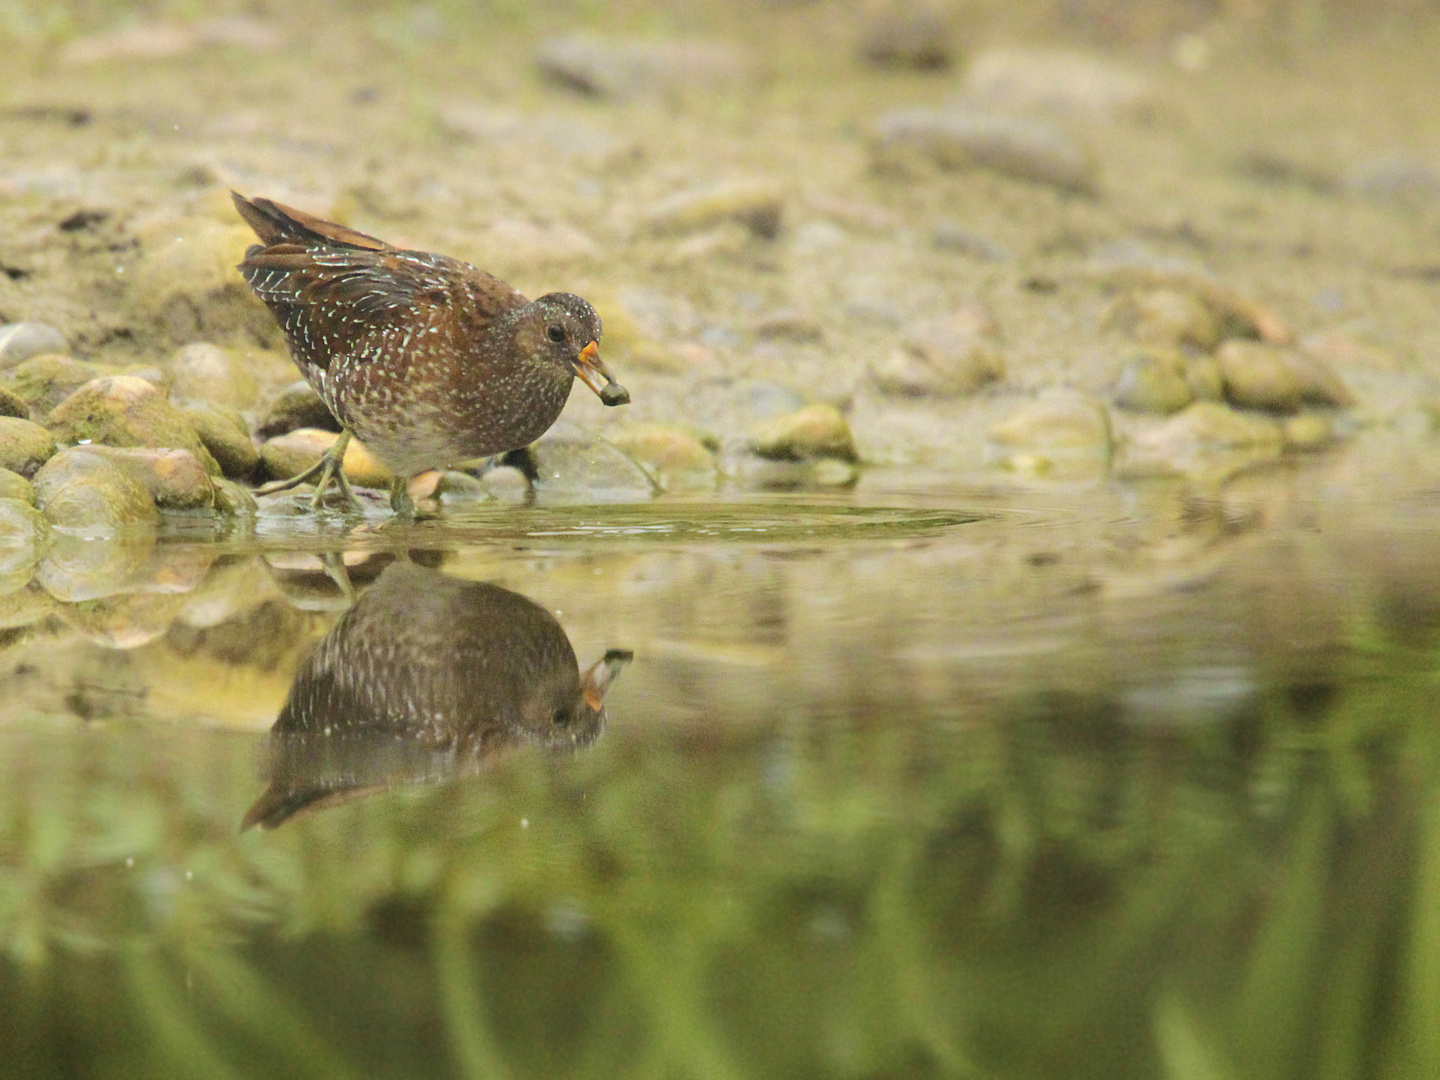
592,373
596,681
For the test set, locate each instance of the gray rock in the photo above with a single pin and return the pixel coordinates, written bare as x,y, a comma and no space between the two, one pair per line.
571,466
675,457
224,432
1063,432
297,406
506,483
1061,82
623,69
22,340
910,140
815,431
206,372
945,356
1166,317
24,446
84,493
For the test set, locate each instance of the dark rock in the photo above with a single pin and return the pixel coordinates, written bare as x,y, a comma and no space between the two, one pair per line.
297,406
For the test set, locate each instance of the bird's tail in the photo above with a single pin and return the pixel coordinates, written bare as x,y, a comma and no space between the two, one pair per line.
276,223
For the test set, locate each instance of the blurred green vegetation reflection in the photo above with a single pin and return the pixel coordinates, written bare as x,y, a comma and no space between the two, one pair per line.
1044,890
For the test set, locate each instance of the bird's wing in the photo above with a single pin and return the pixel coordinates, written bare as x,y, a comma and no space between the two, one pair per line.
334,299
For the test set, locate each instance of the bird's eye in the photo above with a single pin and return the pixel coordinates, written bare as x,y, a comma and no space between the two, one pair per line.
555,332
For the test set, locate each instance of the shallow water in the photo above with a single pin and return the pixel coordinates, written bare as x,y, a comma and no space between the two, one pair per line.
901,783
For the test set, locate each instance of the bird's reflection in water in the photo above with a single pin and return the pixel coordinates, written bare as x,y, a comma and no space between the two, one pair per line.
426,677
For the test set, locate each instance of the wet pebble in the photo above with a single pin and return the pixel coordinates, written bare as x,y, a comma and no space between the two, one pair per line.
1063,432
756,204
22,340
232,500
82,492
24,536
675,457
24,446
42,382
910,140
297,406
1207,425
207,372
572,466
625,68
814,431
15,486
175,479
223,431
292,453
1154,382
944,356
907,33
122,410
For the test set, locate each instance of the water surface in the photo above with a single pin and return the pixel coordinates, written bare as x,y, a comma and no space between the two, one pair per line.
906,782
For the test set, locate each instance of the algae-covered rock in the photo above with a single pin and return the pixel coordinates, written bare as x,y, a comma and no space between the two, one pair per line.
175,479
1154,382
42,382
122,410
11,404
15,486
224,432
814,431
83,492
24,446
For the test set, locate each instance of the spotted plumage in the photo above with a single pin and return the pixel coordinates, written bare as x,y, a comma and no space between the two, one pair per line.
425,359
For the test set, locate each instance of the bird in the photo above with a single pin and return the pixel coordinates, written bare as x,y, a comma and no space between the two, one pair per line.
425,359
426,677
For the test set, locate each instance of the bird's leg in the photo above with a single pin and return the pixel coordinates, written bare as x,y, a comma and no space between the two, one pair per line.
330,467
400,500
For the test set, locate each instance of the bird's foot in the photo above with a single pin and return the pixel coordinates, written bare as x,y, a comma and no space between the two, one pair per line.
330,468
